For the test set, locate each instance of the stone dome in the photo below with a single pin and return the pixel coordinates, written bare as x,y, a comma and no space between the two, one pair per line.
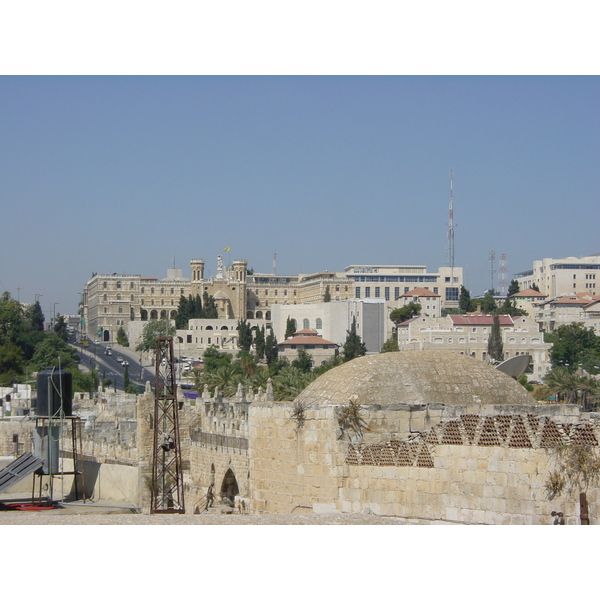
415,377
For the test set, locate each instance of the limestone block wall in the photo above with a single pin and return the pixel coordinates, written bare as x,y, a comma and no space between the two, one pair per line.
490,465
11,426
467,484
293,467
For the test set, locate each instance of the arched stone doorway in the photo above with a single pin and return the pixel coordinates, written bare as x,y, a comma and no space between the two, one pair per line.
106,336
229,489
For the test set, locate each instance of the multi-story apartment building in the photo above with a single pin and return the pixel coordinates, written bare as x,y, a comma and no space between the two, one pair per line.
469,334
556,277
570,308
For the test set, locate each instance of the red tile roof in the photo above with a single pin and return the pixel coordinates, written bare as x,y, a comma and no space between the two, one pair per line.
421,292
307,340
529,293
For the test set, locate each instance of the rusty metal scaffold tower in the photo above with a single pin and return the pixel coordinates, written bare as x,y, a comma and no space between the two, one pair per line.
167,474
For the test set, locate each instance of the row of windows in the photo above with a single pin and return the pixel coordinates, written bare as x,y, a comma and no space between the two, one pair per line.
117,285
394,278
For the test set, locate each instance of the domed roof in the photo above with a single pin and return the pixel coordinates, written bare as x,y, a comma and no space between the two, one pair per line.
415,377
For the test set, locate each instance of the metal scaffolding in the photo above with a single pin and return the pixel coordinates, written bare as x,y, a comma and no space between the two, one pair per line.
167,475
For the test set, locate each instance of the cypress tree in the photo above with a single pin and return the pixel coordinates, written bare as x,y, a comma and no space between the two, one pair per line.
290,327
354,346
495,346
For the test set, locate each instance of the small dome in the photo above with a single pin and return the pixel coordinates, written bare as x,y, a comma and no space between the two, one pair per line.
416,377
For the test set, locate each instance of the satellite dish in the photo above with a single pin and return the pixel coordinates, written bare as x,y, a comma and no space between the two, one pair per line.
515,366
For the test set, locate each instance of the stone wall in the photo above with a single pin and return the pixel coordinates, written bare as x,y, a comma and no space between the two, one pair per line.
455,464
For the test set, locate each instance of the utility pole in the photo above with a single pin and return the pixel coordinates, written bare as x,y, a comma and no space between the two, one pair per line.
167,473
451,231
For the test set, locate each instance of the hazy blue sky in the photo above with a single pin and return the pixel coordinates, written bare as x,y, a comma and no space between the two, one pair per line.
125,174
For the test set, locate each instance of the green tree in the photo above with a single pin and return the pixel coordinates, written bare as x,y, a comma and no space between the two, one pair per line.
488,303
391,345
535,287
290,327
513,288
573,346
271,350
35,316
327,295
353,346
210,308
54,352
213,359
509,307
60,328
183,312
11,362
259,342
404,313
303,362
244,335
495,347
464,300
126,380
152,331
122,337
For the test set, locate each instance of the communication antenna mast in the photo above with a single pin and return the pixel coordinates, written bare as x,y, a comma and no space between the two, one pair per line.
502,281
275,263
451,231
492,270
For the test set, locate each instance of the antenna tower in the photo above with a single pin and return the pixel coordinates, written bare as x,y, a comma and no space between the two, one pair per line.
451,231
492,270
502,281
275,263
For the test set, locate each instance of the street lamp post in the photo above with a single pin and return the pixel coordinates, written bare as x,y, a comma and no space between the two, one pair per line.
54,314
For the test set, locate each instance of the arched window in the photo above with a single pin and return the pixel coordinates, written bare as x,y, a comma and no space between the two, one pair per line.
305,324
118,297
120,309
105,297
319,324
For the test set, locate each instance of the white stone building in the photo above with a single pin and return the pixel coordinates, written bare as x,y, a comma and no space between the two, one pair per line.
571,308
333,320
556,277
469,334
